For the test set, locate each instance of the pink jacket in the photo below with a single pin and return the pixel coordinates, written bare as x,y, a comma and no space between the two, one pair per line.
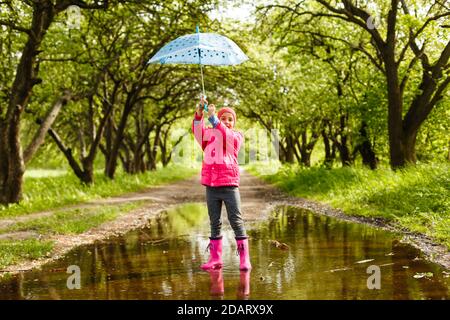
221,147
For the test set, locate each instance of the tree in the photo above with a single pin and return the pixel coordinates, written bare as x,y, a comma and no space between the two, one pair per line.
394,48
41,14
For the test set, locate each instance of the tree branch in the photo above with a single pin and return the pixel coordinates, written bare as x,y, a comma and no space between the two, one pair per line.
349,13
406,76
439,92
64,4
39,137
15,27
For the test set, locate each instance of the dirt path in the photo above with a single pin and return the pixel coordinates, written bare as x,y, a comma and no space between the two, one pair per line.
258,200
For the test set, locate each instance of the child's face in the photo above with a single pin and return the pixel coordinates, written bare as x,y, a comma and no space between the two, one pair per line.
227,119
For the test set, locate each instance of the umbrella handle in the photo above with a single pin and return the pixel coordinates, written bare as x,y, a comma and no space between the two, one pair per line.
205,105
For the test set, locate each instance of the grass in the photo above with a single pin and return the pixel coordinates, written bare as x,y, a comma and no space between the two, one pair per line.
74,221
50,192
42,173
417,198
13,252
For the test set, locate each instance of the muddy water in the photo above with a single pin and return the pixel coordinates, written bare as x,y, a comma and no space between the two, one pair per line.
295,255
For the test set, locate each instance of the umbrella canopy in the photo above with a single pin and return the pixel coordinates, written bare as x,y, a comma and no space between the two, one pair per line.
200,48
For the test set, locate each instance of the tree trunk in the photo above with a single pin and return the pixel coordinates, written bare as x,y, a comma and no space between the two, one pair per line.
25,79
305,158
395,107
3,162
112,163
289,154
342,145
328,161
137,153
448,154
16,165
344,151
151,157
125,157
69,156
164,159
334,149
87,176
409,146
306,147
154,149
163,148
108,141
39,137
137,162
366,150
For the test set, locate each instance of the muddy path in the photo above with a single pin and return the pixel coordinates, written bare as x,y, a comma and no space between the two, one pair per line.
258,200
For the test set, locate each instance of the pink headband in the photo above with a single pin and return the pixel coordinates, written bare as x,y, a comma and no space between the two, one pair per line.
226,109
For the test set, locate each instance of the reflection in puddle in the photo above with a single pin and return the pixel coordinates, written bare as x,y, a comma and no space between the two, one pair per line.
295,255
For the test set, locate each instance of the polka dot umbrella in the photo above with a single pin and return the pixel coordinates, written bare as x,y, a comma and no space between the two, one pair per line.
200,48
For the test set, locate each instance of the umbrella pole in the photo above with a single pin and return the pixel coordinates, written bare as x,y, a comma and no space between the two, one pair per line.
197,30
203,84
205,106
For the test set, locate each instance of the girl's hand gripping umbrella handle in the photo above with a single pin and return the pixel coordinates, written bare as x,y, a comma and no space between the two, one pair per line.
204,102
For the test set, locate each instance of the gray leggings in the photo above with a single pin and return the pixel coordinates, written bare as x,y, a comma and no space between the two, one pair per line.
231,197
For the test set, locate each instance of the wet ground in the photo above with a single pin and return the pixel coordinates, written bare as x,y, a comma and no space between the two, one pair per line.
258,200
296,254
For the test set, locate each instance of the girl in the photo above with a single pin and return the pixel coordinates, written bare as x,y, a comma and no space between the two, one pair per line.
220,175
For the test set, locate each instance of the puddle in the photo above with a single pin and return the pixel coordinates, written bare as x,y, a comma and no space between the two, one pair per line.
295,255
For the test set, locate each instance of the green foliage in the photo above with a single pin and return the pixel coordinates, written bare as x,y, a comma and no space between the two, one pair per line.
433,142
298,64
336,60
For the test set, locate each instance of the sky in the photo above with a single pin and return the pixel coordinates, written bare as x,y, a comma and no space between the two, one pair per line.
241,13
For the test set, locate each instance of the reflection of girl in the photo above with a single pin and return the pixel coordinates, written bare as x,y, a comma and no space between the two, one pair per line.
220,175
217,287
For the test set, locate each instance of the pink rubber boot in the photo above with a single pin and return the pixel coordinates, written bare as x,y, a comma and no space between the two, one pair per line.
216,288
244,285
215,259
244,255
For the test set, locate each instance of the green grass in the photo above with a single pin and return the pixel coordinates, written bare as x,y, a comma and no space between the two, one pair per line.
74,221
49,192
42,173
417,198
13,252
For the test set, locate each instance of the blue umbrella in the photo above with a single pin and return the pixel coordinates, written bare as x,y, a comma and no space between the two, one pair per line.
200,48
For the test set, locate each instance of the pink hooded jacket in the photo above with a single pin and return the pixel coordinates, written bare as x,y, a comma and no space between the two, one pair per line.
221,147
